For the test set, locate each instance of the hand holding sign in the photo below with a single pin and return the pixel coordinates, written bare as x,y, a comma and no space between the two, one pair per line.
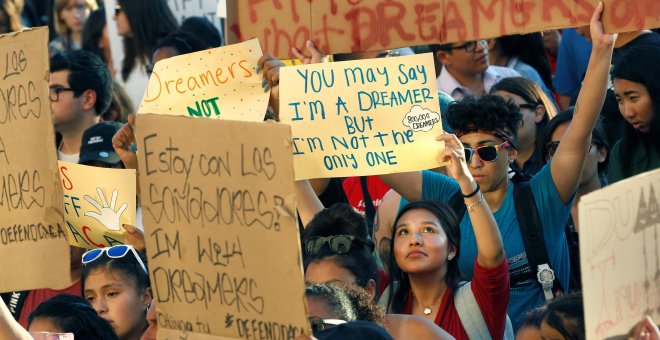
108,217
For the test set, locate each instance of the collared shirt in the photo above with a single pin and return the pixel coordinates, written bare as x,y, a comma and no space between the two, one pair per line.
493,74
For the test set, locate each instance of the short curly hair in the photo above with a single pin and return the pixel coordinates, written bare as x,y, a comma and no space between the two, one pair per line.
488,113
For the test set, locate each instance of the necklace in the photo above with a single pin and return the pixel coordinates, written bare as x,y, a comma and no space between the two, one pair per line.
427,309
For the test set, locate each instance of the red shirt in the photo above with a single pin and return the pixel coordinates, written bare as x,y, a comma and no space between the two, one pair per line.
353,190
37,296
491,290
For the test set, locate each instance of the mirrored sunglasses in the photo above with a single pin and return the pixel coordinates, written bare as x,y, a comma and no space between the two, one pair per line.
339,244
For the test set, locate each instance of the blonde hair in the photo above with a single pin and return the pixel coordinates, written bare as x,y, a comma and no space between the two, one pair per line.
60,26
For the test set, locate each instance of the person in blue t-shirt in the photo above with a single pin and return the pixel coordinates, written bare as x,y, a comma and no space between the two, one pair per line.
487,128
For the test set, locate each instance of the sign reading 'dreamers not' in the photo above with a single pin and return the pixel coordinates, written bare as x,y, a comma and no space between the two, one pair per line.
620,255
94,209
220,227
217,83
33,242
339,26
360,118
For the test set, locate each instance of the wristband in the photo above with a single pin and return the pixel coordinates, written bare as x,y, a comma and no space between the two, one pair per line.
472,193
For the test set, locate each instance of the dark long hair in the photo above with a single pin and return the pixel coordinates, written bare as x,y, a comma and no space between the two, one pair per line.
450,225
150,20
530,50
640,65
93,32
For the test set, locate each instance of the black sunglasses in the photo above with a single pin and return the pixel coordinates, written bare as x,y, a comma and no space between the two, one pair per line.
339,244
487,153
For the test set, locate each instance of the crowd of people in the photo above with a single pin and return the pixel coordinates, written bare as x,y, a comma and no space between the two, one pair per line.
532,123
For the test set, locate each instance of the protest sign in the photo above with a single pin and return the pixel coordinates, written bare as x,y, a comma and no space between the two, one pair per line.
32,231
339,26
220,227
360,118
95,210
620,255
218,83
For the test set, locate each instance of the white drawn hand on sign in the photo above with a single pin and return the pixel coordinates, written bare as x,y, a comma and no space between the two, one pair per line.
106,215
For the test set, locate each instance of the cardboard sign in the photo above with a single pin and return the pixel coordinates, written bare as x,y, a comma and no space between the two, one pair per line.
361,118
220,227
620,255
339,26
33,242
218,83
96,210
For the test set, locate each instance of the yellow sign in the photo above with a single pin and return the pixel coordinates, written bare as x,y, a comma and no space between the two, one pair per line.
620,255
33,242
220,228
217,83
363,117
97,202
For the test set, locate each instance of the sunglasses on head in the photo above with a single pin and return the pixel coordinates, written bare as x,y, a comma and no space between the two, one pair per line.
339,244
319,324
114,252
487,153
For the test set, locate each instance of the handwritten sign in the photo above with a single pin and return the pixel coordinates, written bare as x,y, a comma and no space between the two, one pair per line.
220,227
32,231
360,118
339,26
96,210
620,255
217,83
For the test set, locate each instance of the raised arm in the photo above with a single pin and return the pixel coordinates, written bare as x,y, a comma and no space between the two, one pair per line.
568,161
9,328
490,248
407,184
308,203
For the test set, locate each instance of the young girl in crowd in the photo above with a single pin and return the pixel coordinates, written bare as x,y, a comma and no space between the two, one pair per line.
142,24
70,16
487,128
536,109
637,90
116,283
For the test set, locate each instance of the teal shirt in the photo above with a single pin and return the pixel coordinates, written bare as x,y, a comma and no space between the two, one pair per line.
642,159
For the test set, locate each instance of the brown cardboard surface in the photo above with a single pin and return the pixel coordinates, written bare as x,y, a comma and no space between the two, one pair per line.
620,255
32,229
219,216
340,26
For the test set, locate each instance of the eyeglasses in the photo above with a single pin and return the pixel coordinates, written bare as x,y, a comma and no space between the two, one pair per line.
55,92
487,153
114,252
339,244
552,148
470,46
319,324
118,9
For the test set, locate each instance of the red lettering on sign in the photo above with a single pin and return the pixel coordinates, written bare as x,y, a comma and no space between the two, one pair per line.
393,21
359,25
489,12
282,39
66,182
426,18
521,13
85,229
456,23
548,6
623,12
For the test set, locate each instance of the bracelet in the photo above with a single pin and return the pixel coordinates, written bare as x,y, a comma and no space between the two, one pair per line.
471,206
473,193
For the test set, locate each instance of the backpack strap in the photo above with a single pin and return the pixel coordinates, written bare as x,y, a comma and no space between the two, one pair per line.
471,318
532,235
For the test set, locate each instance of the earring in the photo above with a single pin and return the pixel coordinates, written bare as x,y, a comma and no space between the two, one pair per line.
449,257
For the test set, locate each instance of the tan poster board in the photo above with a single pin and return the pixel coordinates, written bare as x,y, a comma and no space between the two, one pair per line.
620,255
218,83
95,210
340,26
32,229
360,118
220,227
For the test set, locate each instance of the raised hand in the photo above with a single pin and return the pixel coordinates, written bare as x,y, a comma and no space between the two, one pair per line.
122,141
454,153
598,37
106,214
316,56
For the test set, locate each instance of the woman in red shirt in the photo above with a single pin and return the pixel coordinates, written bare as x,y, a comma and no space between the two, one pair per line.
425,246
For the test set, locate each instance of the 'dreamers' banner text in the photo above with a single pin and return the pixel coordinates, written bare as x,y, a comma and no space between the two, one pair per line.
220,227
620,255
340,26
33,244
360,118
